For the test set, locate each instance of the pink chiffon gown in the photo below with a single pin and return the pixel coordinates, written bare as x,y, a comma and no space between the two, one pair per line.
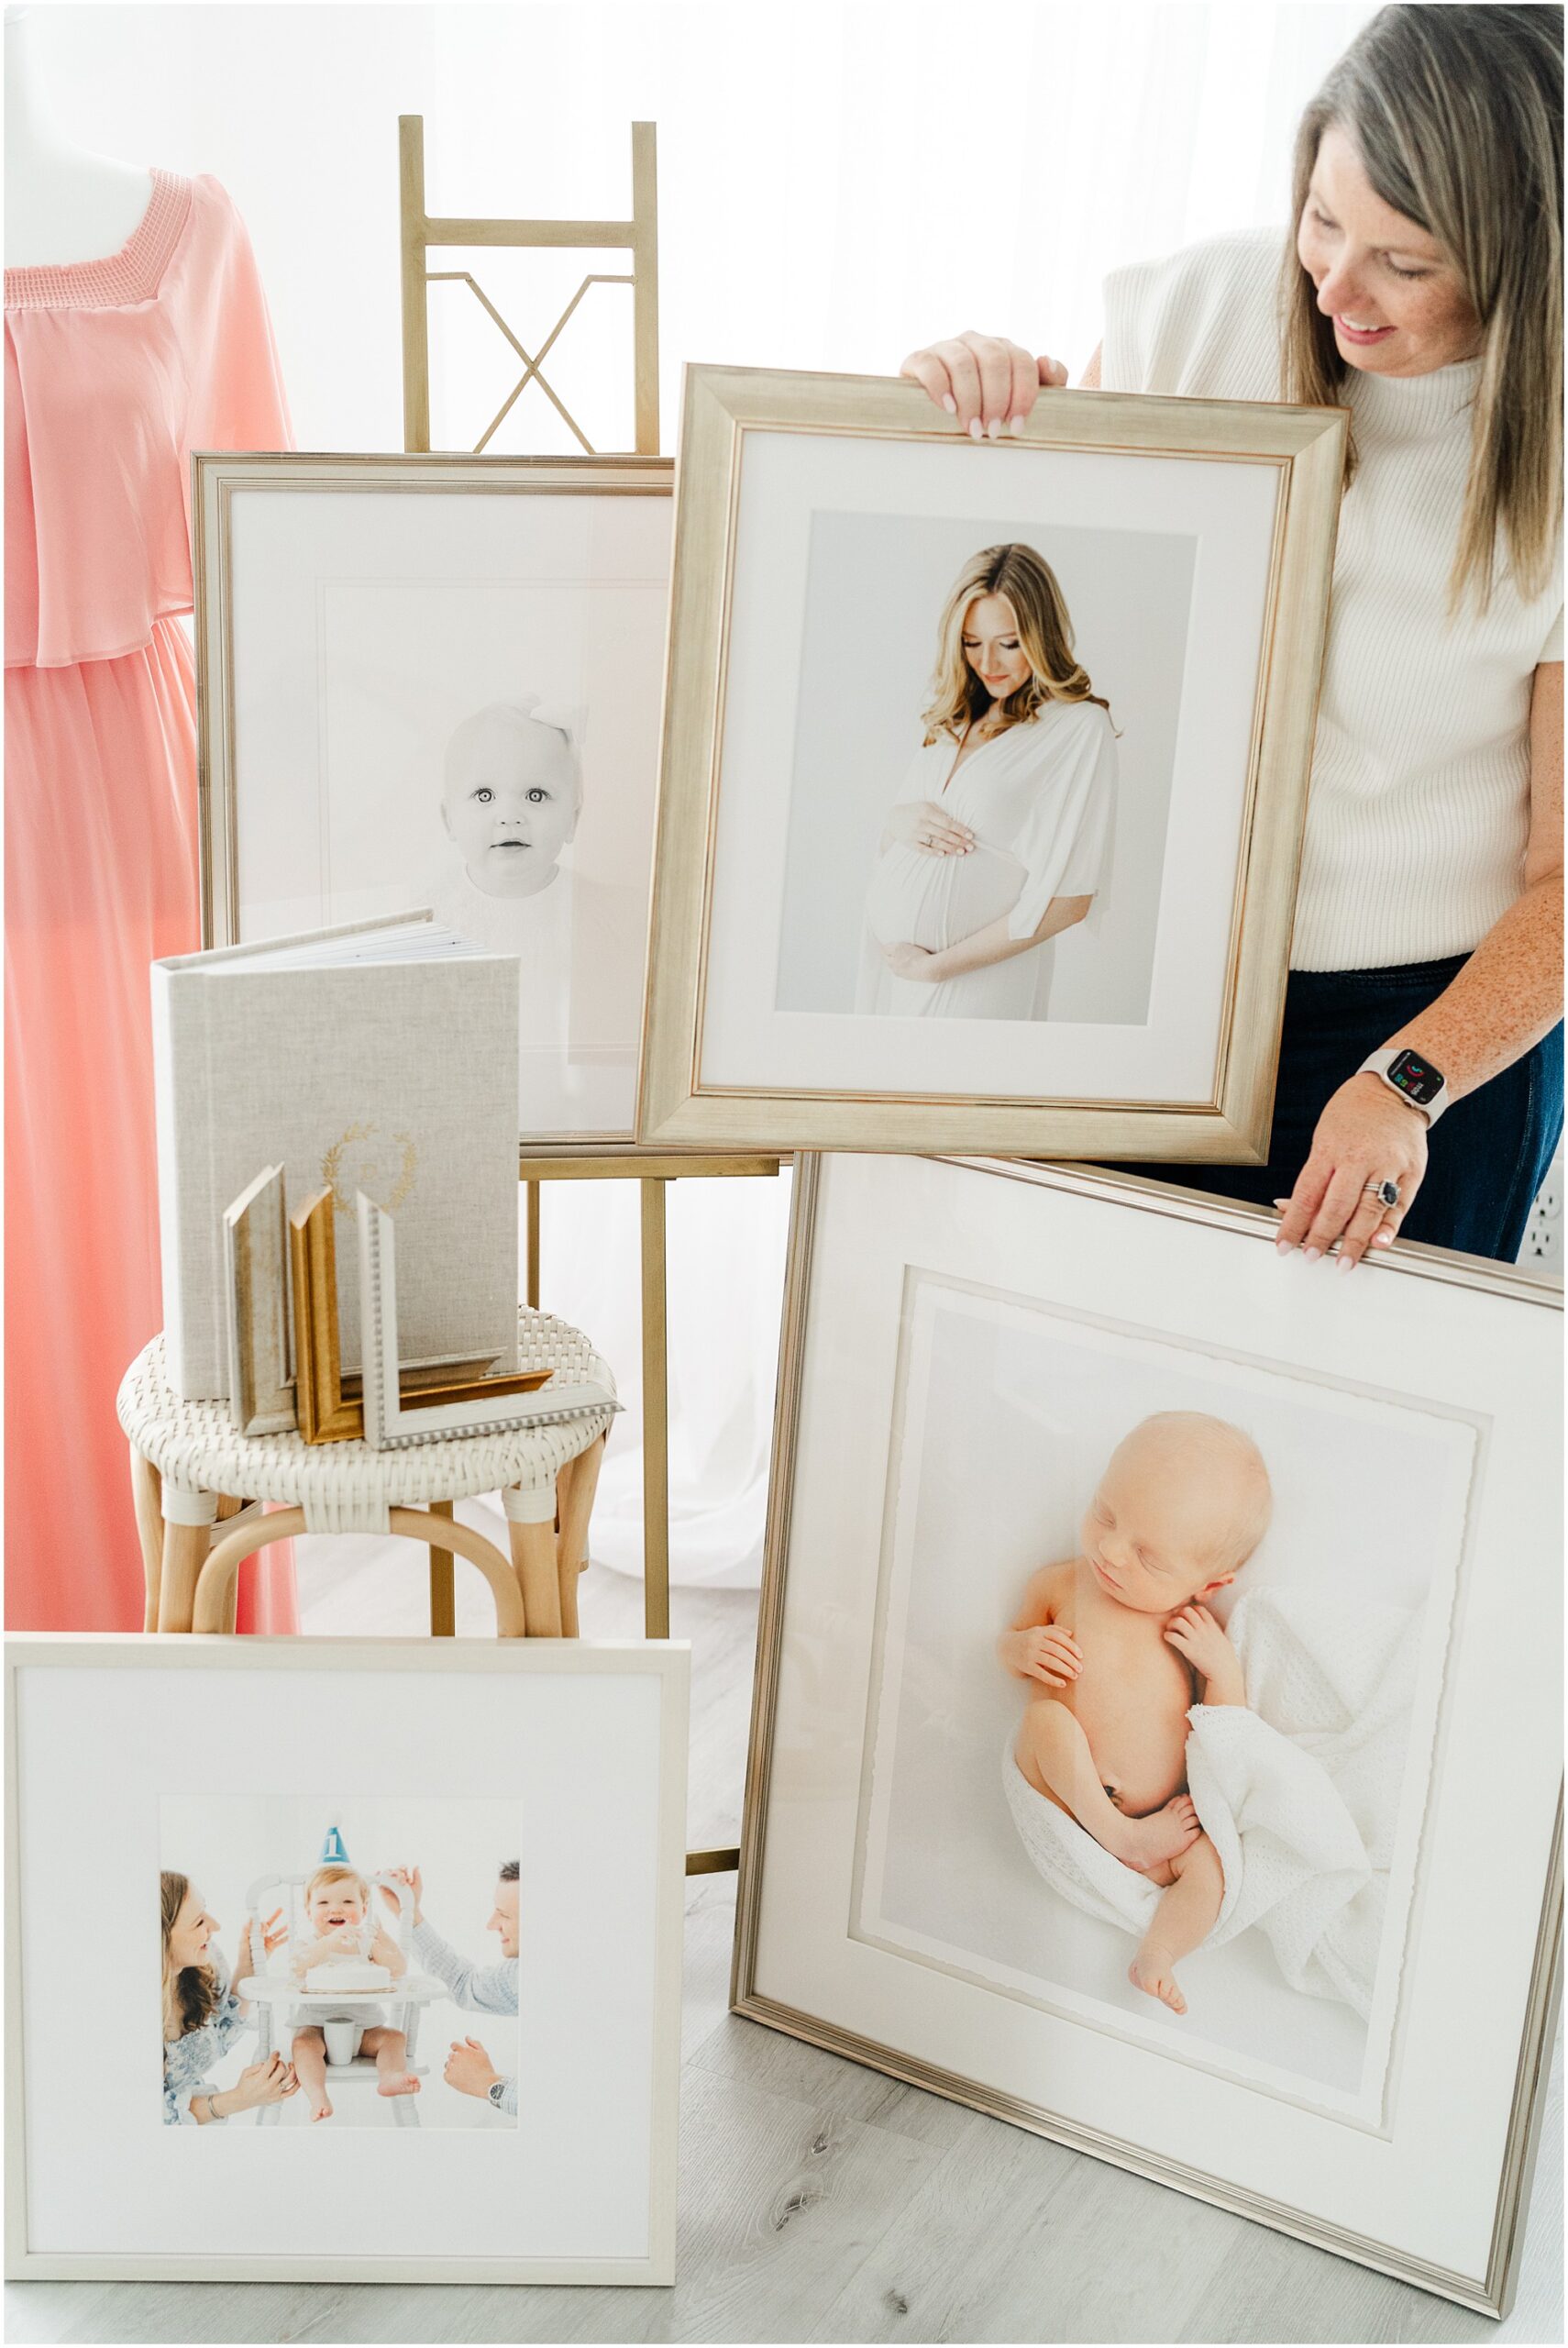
115,372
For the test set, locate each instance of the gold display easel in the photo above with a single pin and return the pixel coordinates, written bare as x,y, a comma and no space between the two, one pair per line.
639,236
421,235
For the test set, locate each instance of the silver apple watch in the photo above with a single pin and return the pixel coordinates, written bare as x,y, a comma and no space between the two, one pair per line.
1418,1083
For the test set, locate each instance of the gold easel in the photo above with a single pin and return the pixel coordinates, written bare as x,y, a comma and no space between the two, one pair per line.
639,236
421,235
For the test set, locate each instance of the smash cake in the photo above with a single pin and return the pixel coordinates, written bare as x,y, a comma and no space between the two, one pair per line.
344,1975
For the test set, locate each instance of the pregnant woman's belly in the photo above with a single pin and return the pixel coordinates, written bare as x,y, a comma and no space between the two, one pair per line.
917,899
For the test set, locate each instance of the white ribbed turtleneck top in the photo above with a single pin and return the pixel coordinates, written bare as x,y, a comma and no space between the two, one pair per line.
1419,801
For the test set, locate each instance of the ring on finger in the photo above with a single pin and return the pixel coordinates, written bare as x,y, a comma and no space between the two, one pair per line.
1386,1191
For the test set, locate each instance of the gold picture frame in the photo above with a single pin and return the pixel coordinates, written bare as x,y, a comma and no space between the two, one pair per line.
808,1766
330,1406
732,412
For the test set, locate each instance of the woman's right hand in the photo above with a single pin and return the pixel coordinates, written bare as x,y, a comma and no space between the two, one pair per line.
983,380
270,2082
921,823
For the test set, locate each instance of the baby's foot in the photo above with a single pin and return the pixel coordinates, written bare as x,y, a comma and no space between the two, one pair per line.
1152,1970
397,2083
1145,1842
321,2109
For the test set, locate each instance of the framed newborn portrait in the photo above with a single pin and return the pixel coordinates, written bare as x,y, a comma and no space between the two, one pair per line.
435,681
392,1931
984,770
1139,1617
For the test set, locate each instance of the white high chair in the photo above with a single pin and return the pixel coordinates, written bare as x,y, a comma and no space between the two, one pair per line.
282,2005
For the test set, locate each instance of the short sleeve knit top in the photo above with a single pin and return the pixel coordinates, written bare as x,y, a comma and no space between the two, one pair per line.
1420,804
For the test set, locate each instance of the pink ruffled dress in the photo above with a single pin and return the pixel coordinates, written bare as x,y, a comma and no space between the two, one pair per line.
115,372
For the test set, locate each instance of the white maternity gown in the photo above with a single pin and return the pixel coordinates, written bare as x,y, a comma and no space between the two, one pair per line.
1038,799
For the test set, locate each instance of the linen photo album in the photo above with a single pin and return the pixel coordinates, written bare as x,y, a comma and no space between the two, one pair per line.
380,1057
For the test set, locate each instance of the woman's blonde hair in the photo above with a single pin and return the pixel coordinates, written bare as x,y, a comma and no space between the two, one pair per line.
1044,634
1456,114
190,1993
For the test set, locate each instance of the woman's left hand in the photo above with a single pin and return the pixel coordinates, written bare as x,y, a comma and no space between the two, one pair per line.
273,1935
912,962
1364,1136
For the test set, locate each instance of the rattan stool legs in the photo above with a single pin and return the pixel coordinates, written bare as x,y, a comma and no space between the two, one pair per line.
212,1606
575,1487
192,1566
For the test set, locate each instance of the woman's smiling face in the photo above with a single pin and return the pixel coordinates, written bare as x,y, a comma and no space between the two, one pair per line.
1398,304
193,1928
991,645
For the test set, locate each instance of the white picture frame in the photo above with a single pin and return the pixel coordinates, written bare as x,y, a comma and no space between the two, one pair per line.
380,638
585,1743
963,1342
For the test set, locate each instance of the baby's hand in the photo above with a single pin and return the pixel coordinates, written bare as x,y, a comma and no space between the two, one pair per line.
1044,1652
1195,1633
344,1942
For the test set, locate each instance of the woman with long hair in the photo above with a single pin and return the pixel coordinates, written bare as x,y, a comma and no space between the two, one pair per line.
999,834
202,2016
1421,286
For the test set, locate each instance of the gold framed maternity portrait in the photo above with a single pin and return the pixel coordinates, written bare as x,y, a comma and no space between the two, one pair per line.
434,682
984,770
1139,1613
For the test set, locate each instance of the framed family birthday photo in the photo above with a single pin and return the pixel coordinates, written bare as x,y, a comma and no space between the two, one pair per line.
435,681
392,1934
1138,1618
984,768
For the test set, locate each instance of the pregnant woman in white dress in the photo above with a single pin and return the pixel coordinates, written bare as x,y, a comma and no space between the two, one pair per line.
997,840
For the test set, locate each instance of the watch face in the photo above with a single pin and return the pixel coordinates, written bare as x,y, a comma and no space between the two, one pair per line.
1416,1078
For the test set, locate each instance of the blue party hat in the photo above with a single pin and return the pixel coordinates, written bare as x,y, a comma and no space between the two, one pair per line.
333,1851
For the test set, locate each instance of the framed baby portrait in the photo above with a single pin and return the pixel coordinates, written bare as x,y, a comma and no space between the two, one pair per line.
1138,1612
393,1933
435,681
984,770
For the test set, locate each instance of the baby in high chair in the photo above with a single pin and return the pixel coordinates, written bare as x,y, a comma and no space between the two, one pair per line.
344,1939
1118,1645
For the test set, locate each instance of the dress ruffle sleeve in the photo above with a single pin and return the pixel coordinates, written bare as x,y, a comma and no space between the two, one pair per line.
236,391
115,372
1063,846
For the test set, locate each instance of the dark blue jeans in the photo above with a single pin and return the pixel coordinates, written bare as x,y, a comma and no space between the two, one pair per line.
1489,1152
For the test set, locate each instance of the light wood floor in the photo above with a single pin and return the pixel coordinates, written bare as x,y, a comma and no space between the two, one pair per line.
819,2201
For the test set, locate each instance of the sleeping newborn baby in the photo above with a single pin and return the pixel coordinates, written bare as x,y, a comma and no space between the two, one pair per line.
1113,1640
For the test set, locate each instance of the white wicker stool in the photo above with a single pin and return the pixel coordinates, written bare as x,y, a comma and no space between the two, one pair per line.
185,1455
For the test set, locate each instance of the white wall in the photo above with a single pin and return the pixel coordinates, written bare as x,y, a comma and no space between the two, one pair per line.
837,182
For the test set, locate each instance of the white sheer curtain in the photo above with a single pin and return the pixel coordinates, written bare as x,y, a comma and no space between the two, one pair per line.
837,183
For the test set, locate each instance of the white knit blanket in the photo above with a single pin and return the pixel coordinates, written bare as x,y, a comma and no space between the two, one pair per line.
1298,1791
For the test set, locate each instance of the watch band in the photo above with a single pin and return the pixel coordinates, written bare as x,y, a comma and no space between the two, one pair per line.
494,2092
1418,1083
